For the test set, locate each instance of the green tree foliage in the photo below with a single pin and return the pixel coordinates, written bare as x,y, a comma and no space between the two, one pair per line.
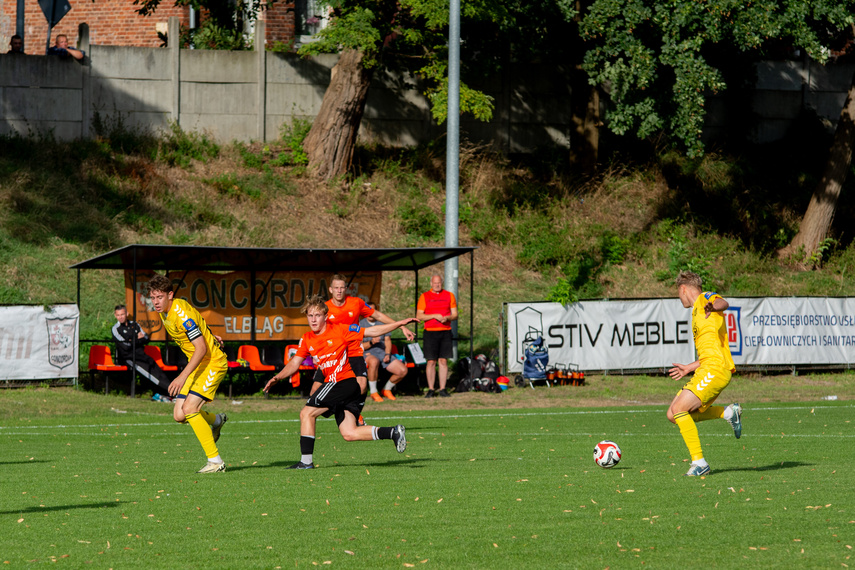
413,35
659,58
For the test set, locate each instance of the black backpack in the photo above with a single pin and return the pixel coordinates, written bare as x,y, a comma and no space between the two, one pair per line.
486,385
469,369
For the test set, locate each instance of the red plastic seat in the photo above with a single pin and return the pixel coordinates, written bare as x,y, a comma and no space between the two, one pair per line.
289,352
100,358
250,354
154,352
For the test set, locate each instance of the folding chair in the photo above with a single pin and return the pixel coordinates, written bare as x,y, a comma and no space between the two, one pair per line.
290,350
101,360
154,352
174,356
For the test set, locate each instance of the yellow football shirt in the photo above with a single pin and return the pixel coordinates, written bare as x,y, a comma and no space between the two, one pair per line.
184,324
710,335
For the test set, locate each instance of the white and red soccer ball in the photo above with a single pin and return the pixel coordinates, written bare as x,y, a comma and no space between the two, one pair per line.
606,454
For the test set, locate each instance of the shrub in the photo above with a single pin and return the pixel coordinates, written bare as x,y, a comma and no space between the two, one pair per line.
114,131
180,147
544,243
419,221
293,135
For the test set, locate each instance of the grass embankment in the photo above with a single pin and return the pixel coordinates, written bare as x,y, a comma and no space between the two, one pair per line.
541,231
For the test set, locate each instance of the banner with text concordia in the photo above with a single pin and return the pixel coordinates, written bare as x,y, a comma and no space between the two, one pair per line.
654,333
223,300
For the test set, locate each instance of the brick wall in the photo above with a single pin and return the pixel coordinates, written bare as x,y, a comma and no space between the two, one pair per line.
280,22
116,23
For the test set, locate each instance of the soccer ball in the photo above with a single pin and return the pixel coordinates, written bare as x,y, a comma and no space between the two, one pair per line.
606,454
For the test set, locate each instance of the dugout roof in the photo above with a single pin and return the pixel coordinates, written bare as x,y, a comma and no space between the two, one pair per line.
190,257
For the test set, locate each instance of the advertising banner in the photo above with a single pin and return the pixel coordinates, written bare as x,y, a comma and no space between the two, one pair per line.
38,343
655,333
224,301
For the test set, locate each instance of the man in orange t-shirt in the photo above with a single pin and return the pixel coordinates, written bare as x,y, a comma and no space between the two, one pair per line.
329,345
347,310
437,308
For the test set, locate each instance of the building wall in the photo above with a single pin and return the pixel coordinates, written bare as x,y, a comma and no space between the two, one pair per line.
116,23
280,25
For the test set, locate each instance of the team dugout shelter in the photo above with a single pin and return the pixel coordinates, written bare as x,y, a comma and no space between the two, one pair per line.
255,294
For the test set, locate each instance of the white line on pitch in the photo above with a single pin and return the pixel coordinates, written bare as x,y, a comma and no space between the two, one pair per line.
504,414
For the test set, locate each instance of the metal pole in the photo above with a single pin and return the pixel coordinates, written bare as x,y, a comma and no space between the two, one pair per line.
19,25
134,338
416,303
452,152
50,23
77,378
252,305
471,302
415,308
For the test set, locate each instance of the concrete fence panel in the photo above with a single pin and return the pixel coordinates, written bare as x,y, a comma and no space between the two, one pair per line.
249,95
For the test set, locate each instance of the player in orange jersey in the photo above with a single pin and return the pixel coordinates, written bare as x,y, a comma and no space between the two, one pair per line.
340,395
712,370
347,310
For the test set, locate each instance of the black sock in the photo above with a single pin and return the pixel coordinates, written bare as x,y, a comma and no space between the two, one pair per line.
307,444
384,432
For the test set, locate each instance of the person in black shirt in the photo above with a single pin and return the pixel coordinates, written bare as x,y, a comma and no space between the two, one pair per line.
130,346
16,46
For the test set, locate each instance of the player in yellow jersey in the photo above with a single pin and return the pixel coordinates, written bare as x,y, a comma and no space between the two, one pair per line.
712,370
197,384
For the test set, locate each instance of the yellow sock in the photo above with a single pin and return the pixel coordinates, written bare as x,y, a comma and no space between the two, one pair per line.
203,434
712,413
689,431
211,418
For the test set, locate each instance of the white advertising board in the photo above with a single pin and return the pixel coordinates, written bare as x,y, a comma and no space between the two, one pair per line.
38,343
654,333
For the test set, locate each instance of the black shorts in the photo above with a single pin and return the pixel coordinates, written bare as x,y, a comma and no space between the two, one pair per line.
438,344
357,364
339,397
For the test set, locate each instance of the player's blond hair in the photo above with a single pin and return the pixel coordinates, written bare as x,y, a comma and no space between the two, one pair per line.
689,278
160,283
316,302
338,277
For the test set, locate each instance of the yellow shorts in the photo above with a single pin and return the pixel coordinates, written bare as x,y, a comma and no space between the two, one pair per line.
707,384
204,381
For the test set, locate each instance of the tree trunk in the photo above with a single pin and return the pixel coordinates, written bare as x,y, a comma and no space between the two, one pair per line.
331,139
585,106
820,212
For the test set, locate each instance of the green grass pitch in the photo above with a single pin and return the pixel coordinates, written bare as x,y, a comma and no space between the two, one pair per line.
475,489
